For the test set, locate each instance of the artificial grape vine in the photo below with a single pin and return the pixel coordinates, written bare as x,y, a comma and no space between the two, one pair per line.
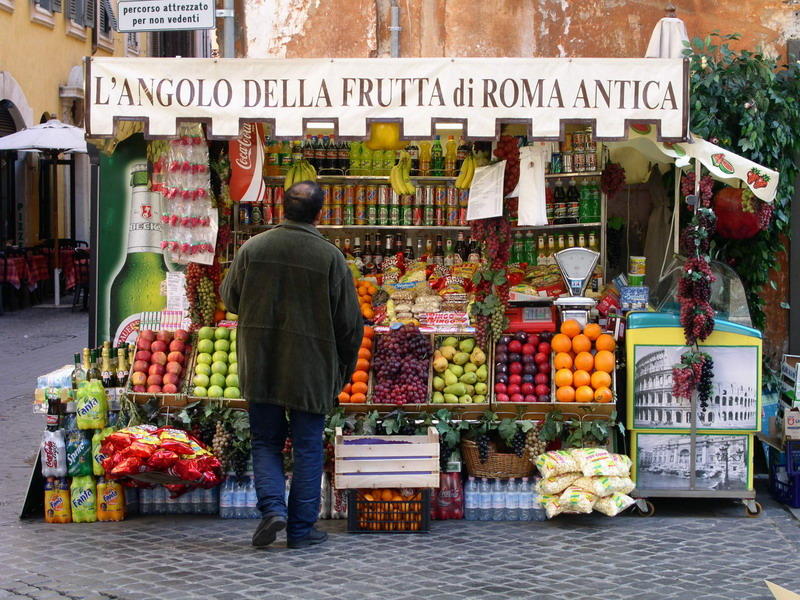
202,291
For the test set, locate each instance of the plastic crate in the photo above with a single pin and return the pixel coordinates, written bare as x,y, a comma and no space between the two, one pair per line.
392,516
793,457
786,493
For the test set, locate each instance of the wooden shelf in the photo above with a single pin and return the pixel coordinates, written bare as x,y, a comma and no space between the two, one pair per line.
573,175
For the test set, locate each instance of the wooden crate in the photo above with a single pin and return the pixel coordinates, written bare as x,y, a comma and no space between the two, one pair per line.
188,385
394,461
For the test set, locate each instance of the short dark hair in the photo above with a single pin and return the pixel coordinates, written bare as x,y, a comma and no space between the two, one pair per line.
303,201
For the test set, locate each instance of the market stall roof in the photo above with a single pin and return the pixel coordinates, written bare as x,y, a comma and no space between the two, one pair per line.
722,164
481,93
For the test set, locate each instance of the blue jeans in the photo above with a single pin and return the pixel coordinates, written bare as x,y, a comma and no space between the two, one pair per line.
268,430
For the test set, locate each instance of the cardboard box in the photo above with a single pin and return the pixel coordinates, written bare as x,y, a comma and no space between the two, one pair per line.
791,423
790,377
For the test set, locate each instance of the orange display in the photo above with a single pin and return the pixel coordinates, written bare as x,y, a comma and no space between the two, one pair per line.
584,360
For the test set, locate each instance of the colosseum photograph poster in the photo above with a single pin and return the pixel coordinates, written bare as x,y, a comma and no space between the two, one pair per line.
663,461
734,400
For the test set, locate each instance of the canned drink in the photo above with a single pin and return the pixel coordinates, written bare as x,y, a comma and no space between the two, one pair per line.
566,159
371,196
573,210
419,195
555,163
579,162
428,196
591,160
440,196
326,193
566,145
462,215
451,215
245,213
635,280
637,265
588,139
360,210
349,214
439,215
266,212
337,195
550,212
277,205
327,215
428,216
384,195
394,215
452,196
256,217
578,141
383,215
463,198
337,214
372,214
407,215
349,194
418,216
405,200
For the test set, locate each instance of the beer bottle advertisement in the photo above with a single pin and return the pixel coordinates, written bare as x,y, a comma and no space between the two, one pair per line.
131,267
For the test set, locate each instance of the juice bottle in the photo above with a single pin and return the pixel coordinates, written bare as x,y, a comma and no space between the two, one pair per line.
450,157
355,158
273,158
425,158
366,160
518,248
437,158
83,495
110,500
56,501
530,249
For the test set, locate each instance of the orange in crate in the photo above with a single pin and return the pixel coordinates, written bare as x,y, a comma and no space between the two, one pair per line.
570,328
605,342
562,361
565,394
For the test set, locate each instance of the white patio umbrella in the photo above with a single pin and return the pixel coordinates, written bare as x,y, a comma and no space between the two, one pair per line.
53,138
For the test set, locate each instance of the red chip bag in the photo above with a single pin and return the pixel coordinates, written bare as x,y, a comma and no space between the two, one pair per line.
162,459
178,489
128,466
187,469
175,440
211,479
141,449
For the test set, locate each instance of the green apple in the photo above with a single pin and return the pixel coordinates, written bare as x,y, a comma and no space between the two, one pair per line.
232,392
202,369
223,345
204,358
201,380
220,356
219,367
217,379
215,392
233,347
233,369
233,335
205,346
222,333
206,333
232,380
200,391
232,358
231,316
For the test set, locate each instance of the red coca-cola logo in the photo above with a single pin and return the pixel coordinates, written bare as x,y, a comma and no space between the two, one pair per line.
50,454
244,156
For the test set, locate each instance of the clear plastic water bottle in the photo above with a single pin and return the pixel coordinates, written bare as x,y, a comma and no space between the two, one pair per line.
239,500
146,501
212,500
252,499
525,499
498,500
512,501
226,499
471,503
538,513
158,501
484,500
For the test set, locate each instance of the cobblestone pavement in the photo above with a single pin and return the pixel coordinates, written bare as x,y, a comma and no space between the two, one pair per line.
689,549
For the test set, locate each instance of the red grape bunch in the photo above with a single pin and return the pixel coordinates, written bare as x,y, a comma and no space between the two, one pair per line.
612,179
400,367
508,150
706,187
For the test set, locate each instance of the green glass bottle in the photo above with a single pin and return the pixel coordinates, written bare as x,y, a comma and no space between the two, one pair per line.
137,285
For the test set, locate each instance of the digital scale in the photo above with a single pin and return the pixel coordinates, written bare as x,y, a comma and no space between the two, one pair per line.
531,316
577,266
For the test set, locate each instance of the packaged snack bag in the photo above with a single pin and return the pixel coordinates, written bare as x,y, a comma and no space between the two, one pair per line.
576,500
605,486
613,504
595,462
555,463
557,484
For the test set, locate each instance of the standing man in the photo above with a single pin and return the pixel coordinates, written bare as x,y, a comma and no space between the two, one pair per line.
300,328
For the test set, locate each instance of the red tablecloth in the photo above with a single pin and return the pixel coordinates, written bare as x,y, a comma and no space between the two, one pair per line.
38,268
13,270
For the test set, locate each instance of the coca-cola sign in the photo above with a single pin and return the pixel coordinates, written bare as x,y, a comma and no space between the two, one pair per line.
50,454
247,163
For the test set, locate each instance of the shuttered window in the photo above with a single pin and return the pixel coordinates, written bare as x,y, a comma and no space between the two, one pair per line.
108,22
44,4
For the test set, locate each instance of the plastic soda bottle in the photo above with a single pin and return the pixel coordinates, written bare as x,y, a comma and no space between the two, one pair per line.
512,501
355,158
56,501
97,456
525,500
54,453
91,406
531,252
498,501
78,446
111,500
83,494
471,500
484,500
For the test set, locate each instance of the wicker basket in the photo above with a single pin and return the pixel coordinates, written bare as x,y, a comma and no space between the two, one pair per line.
497,466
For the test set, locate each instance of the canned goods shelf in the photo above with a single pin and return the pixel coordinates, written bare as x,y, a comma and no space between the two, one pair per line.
560,226
575,174
376,178
389,227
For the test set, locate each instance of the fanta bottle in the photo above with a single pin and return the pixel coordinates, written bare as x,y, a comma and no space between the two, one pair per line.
91,406
97,455
83,492
56,501
110,500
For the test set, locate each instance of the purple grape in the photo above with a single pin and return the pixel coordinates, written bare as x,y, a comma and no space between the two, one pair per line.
529,369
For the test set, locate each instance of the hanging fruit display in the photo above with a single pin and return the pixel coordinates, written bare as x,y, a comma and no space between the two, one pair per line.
740,215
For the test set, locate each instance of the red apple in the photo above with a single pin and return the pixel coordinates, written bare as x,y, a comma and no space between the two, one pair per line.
139,389
153,389
530,398
158,346
527,388
182,335
501,397
156,369
515,368
138,378
515,379
174,368
143,343
140,366
148,334
154,379
171,378
515,346
177,346
500,388
517,398
176,357
542,390
143,355
164,336
541,379
512,389
528,349
543,398
533,339
159,357
541,358
169,388
543,347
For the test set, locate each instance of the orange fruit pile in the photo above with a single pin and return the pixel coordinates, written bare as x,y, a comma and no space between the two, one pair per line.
356,390
584,360
389,510
366,291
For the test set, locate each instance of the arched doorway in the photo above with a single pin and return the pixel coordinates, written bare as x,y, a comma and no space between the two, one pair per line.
11,230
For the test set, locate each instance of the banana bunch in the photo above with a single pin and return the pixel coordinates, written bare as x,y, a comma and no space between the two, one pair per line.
299,171
464,179
400,176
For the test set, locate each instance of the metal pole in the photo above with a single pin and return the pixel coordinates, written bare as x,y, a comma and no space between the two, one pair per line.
229,43
94,239
394,29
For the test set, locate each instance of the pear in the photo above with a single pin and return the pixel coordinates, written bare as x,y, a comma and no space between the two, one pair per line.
437,354
466,345
465,399
469,378
470,367
440,364
470,389
438,398
477,357
479,399
451,399
482,373
461,358
481,388
456,370
438,384
450,378
448,352
450,341
457,389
